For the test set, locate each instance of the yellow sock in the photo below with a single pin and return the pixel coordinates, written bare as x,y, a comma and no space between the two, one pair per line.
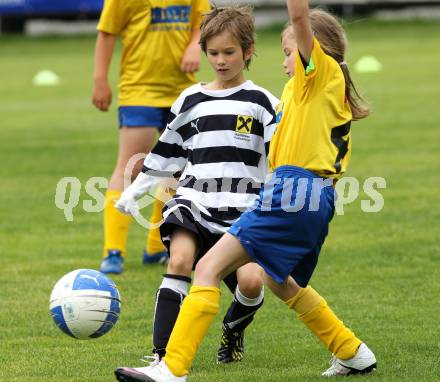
314,312
196,315
154,242
115,224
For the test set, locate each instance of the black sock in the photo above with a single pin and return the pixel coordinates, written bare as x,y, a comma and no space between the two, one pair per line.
169,298
240,315
231,281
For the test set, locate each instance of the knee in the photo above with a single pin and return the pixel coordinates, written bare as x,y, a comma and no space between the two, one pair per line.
180,263
202,267
206,271
250,285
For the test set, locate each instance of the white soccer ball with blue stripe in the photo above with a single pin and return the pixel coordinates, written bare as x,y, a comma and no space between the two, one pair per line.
85,304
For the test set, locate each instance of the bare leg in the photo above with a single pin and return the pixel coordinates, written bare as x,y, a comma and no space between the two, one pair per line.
250,280
285,291
183,250
224,257
132,140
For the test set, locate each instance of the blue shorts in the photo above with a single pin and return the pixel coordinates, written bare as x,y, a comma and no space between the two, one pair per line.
288,224
143,116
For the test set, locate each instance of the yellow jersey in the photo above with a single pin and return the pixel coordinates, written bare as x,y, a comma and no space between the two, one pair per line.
154,34
314,118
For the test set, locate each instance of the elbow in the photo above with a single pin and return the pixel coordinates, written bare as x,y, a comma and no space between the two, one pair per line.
300,19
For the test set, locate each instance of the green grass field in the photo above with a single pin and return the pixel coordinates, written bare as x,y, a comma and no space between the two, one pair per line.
380,271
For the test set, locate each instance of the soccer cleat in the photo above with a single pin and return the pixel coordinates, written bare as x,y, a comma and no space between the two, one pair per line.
113,262
156,373
231,346
158,258
362,363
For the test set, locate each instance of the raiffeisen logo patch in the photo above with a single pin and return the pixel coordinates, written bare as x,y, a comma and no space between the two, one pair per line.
244,124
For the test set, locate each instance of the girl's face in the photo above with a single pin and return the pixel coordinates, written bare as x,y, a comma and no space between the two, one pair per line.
227,59
289,48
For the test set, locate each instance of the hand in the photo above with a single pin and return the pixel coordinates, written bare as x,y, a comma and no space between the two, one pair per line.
102,95
127,204
191,58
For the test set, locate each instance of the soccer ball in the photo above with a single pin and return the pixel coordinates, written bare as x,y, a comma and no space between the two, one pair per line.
85,304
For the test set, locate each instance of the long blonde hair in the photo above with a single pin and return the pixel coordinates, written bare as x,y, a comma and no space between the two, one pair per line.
331,36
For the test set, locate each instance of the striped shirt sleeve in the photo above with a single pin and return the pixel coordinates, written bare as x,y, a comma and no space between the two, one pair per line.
168,157
270,120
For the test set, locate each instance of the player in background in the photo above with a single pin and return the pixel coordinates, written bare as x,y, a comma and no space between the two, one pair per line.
159,57
217,142
284,233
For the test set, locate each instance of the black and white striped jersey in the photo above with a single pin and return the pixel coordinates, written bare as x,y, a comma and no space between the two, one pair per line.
216,142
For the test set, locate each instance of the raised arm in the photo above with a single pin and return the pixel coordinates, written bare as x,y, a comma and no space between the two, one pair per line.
299,16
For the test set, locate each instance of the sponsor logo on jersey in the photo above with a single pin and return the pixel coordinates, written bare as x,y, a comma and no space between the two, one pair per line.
244,124
171,14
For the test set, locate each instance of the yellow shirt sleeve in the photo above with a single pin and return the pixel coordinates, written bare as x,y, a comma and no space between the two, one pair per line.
114,16
310,80
199,8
